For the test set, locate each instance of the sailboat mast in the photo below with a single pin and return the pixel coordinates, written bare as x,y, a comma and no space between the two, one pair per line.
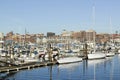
111,33
25,38
94,35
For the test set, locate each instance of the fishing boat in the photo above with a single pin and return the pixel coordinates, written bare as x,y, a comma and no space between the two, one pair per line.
69,60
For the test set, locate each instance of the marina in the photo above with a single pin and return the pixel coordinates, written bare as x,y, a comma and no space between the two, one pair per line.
14,59
59,40
101,69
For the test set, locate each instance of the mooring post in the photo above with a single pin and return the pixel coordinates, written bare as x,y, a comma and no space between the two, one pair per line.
49,52
85,51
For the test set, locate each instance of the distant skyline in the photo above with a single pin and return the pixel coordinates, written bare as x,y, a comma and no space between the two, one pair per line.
42,16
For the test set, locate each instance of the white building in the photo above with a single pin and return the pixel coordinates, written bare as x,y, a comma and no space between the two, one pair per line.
1,36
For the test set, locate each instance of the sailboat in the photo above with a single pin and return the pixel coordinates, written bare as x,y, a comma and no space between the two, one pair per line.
95,55
70,59
67,49
109,52
67,60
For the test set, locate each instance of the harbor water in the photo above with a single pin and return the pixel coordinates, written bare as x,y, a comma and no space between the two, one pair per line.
102,69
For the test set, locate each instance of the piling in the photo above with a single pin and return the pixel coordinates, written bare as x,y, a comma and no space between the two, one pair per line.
85,51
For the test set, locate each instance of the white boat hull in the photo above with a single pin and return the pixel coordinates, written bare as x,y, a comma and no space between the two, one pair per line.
110,54
28,59
119,51
67,51
96,56
75,50
69,60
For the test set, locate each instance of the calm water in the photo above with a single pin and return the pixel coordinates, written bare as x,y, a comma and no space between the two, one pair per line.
104,69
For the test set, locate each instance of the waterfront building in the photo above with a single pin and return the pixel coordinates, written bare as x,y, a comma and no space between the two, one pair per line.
71,36
102,38
90,35
80,36
50,34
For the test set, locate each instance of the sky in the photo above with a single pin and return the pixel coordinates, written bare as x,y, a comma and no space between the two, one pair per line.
42,16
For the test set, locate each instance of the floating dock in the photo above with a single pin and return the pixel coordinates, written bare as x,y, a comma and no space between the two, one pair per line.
18,68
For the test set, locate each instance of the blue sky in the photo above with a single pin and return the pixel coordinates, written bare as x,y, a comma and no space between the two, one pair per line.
42,16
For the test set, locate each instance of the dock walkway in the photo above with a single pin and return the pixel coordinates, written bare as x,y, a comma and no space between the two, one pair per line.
30,66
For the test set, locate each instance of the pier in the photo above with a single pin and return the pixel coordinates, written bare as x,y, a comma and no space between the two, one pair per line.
31,66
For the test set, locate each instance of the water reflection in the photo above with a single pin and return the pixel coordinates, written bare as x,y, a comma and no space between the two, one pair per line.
102,69
71,66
